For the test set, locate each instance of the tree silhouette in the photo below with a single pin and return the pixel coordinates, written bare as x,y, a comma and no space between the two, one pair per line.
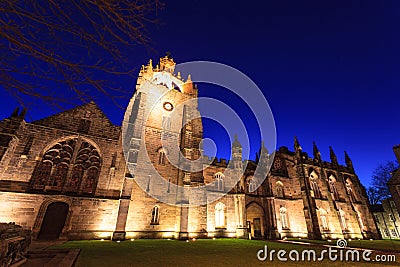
79,45
379,189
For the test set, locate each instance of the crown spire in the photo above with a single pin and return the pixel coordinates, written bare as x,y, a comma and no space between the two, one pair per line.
317,154
333,156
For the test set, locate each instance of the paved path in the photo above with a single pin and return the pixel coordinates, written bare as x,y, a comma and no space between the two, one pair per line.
40,255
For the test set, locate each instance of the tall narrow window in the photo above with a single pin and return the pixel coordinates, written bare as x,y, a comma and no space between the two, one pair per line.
350,190
219,181
342,219
251,185
314,184
219,215
279,190
324,221
284,218
332,187
155,215
28,145
161,157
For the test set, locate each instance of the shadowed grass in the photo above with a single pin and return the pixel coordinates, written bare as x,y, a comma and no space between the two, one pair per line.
389,245
220,252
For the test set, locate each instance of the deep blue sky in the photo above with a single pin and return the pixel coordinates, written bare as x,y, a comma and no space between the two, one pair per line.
329,69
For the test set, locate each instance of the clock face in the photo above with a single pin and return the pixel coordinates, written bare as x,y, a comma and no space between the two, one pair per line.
168,106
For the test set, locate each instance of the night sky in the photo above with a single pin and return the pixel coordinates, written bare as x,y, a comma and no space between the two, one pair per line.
329,69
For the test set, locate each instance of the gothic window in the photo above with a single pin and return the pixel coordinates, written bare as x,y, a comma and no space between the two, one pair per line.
332,187
314,184
76,178
161,157
350,190
342,219
155,215
92,174
324,220
60,175
279,190
219,181
68,165
391,217
219,215
284,218
42,174
251,185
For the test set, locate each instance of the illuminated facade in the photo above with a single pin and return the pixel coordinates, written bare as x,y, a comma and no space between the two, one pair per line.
66,176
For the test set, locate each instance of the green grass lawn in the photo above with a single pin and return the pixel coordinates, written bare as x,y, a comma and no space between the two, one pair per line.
220,252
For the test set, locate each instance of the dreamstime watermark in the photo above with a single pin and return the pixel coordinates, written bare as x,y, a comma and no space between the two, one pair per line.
338,253
155,99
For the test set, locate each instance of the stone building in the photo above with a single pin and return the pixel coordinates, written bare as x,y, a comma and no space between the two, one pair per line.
68,176
387,219
394,182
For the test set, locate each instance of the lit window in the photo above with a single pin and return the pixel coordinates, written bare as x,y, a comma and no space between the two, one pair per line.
219,181
155,215
314,185
279,190
252,187
323,219
332,187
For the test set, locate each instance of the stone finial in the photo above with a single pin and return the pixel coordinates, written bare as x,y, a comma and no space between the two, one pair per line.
333,156
297,146
317,154
23,113
15,112
348,160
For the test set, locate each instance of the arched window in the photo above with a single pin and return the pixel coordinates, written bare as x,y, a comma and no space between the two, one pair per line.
342,219
332,187
279,190
350,190
155,215
324,220
284,218
251,185
219,215
219,181
65,165
314,185
161,156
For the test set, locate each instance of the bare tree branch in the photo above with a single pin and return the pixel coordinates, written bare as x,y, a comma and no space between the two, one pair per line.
70,44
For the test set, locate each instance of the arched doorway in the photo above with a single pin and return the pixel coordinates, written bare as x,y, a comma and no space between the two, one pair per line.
54,220
255,220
